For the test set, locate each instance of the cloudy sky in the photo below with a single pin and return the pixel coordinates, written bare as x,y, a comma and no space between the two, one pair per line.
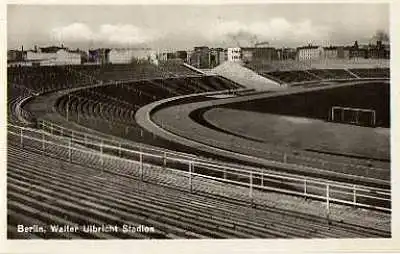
186,26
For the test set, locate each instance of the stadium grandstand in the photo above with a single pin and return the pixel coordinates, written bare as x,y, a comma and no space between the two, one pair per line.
159,152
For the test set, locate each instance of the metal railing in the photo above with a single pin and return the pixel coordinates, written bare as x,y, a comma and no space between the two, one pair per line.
257,182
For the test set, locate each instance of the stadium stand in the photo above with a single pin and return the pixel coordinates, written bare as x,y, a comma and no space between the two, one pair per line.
110,108
37,192
372,73
324,74
47,78
291,76
331,73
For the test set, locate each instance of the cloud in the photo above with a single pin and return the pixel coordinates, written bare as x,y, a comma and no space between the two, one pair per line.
108,34
271,30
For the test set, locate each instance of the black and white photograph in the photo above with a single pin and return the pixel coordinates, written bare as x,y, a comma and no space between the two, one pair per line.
264,121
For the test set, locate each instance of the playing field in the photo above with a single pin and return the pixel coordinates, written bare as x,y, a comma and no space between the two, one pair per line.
303,133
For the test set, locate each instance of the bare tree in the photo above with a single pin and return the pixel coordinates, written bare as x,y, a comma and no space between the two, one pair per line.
381,35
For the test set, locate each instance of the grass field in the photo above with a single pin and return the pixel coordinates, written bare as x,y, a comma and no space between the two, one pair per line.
303,133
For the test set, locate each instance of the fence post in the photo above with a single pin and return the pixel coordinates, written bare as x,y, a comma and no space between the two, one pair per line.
251,185
190,177
101,155
354,195
119,149
51,128
327,199
22,136
305,187
69,151
165,160
43,144
284,157
141,166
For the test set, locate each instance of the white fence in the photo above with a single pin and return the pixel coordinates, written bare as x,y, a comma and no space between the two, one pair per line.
105,155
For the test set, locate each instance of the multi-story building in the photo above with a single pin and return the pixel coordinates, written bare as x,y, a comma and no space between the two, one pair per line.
265,54
130,55
234,54
200,57
83,54
379,51
217,57
286,53
53,56
309,52
182,54
344,52
258,54
99,56
247,54
331,52
15,55
164,56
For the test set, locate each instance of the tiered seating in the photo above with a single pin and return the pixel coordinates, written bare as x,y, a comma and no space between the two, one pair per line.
287,65
45,193
176,68
111,109
25,81
372,73
331,73
135,71
127,72
292,76
289,71
46,78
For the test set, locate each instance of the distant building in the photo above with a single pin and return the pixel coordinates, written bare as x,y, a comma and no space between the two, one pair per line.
379,51
387,51
261,44
265,54
130,55
258,54
234,54
309,52
182,54
286,53
15,55
163,56
331,52
53,56
84,55
217,57
99,56
200,57
358,51
344,52
247,54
